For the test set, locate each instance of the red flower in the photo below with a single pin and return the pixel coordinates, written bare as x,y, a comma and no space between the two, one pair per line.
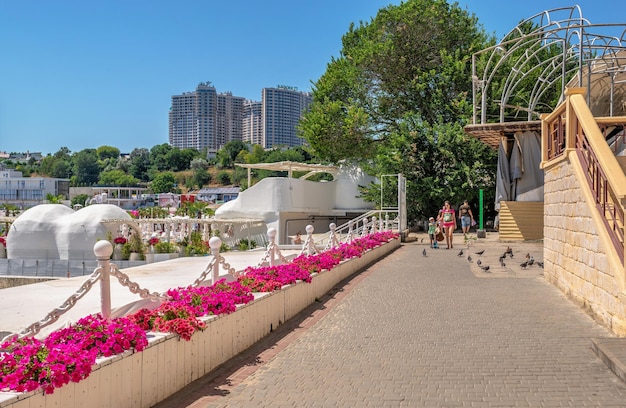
119,240
3,241
153,241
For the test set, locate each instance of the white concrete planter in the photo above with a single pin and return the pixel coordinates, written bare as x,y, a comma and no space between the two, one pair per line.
150,257
141,380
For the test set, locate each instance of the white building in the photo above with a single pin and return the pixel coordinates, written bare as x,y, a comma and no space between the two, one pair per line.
283,107
26,192
252,124
289,204
205,119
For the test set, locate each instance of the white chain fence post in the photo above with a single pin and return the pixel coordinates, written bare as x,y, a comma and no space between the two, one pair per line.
349,236
374,225
215,243
309,244
386,222
103,250
332,237
271,234
364,230
272,254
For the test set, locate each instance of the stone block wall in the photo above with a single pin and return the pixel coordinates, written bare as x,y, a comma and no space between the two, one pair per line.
576,258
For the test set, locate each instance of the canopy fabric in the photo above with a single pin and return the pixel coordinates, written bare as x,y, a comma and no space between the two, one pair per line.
503,177
531,177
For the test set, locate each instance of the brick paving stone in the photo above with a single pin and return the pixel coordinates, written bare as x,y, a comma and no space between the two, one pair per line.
434,331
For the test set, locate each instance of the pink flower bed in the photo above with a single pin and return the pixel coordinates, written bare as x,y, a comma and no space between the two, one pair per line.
68,354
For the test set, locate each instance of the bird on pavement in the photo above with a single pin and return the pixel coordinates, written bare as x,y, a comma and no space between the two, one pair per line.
422,241
524,265
469,258
480,252
424,252
502,264
485,268
531,260
509,251
478,262
461,252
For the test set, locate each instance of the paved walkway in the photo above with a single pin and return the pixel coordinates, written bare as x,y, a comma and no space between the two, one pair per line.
425,331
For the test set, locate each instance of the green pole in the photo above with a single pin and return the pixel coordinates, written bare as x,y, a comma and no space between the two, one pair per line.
480,205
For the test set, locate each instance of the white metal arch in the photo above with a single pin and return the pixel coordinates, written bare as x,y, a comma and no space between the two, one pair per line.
588,52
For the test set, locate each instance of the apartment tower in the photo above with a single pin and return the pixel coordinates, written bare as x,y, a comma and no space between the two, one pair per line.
283,107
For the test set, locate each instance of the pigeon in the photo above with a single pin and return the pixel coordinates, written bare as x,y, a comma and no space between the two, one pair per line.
502,264
478,262
480,252
469,258
509,251
524,265
424,252
501,259
531,260
422,241
540,264
485,268
461,252
527,257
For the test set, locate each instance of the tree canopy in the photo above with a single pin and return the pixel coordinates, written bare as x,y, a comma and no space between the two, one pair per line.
396,101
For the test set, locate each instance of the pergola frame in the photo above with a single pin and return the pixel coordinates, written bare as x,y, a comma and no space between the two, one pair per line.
586,51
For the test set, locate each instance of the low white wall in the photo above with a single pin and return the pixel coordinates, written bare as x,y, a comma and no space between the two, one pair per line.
168,364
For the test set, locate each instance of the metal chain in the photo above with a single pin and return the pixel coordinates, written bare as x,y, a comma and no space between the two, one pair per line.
270,247
134,287
204,274
56,313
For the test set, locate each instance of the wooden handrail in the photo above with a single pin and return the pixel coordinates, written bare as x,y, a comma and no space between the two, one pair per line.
614,173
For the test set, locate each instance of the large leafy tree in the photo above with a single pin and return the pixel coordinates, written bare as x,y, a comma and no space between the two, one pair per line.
140,163
163,183
227,155
396,100
117,178
86,168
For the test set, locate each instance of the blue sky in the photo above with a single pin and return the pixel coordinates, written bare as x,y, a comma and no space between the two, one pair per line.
82,74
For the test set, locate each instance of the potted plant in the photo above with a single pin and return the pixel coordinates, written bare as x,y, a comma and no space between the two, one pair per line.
135,247
165,250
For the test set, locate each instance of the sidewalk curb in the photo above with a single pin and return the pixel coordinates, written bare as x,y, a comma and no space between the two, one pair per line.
612,351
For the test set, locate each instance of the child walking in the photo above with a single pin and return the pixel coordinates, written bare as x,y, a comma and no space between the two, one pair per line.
432,225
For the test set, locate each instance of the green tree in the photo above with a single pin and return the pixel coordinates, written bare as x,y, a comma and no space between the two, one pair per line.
80,199
256,155
163,183
86,169
61,169
107,152
226,155
159,156
180,159
117,178
223,177
52,199
139,164
396,100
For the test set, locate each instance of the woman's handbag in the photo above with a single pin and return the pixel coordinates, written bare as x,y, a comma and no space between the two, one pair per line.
439,234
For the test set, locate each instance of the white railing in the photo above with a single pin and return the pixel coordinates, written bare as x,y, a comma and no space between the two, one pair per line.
366,224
